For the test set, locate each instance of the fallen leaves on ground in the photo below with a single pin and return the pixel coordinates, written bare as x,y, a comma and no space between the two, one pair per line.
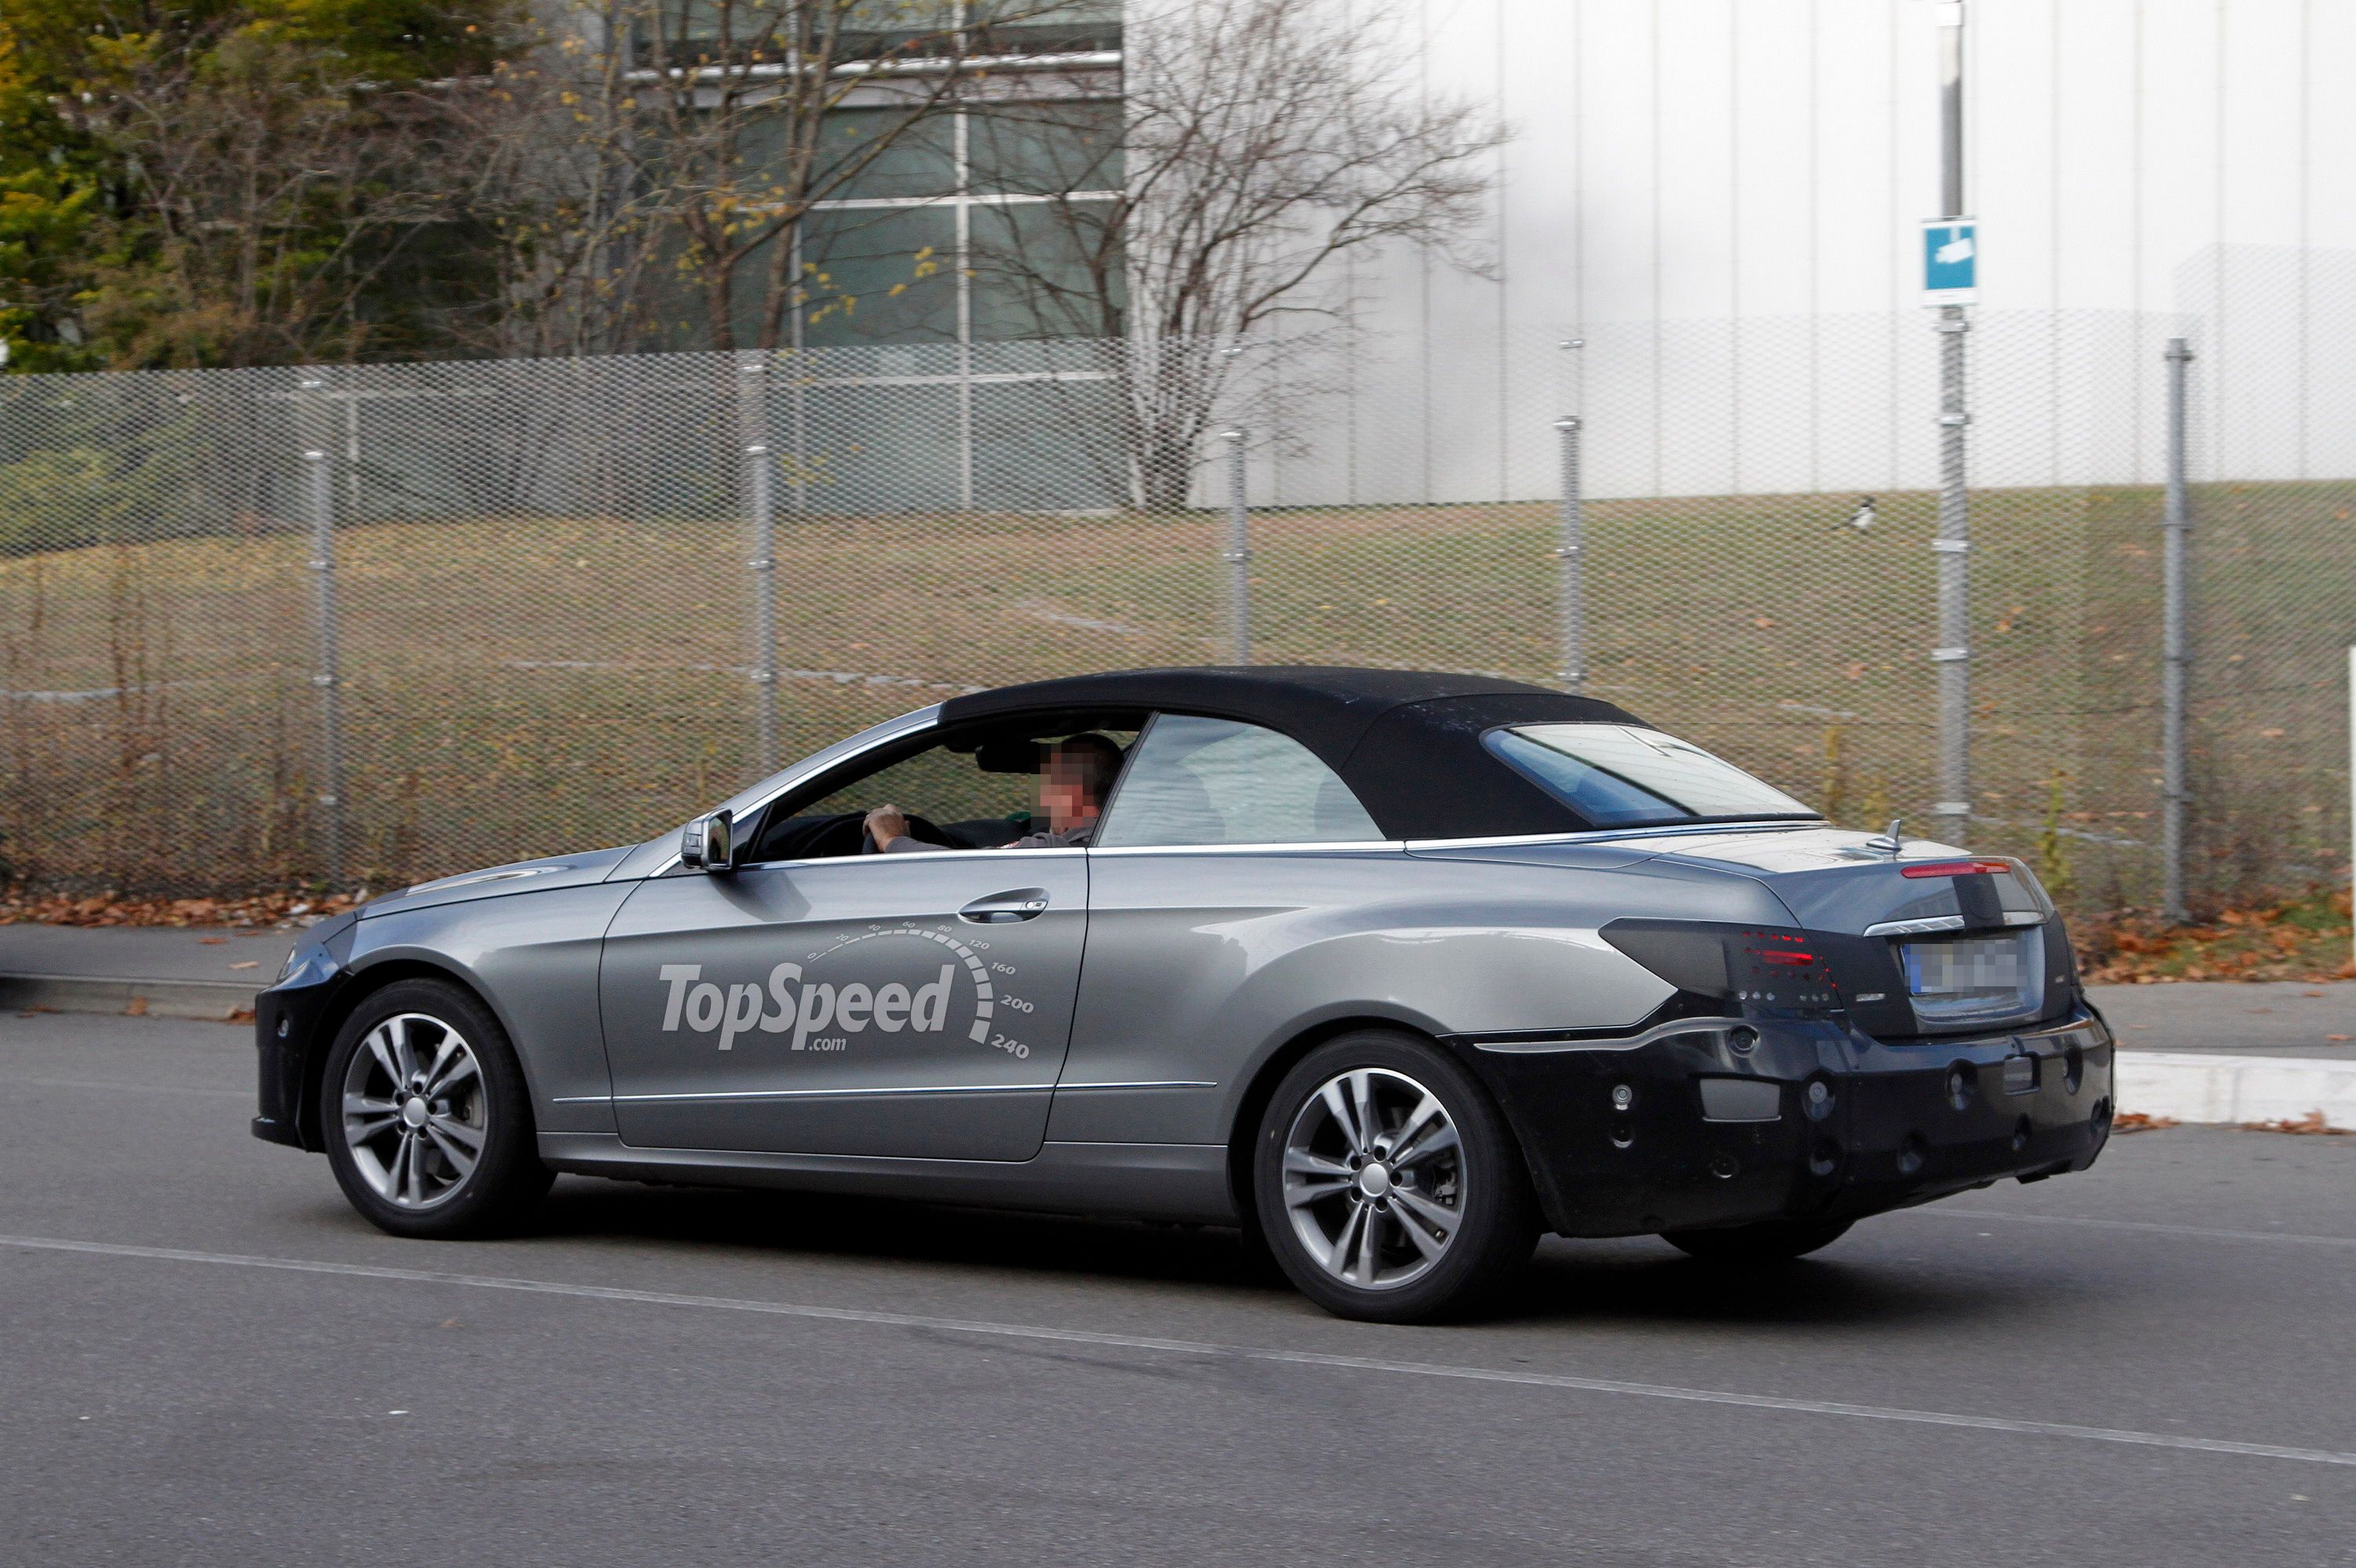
2136,1122
2311,1124
20,905
2300,939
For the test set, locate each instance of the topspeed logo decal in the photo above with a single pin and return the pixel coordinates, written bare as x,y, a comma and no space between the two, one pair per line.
938,985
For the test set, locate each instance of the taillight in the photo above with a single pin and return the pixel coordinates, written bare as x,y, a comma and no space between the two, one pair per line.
1739,968
1958,869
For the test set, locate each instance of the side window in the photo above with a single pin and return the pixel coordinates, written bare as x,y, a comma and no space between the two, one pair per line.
1211,781
971,791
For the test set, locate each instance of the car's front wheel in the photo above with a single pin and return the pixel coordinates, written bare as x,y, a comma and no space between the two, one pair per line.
1388,1184
428,1124
1765,1242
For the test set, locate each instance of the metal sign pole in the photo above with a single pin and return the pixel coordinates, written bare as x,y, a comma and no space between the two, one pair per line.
1952,655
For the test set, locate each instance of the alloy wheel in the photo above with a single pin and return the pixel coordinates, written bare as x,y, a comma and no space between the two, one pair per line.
1374,1178
416,1112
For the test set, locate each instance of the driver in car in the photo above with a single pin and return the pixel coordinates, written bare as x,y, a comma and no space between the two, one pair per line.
1073,778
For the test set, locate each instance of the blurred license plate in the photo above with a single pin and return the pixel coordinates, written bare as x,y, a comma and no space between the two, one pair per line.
1975,979
1974,966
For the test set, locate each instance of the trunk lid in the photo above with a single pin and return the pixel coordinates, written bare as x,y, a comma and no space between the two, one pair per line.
1929,939
1834,878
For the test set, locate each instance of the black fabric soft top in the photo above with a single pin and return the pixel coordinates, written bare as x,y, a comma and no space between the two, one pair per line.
1408,743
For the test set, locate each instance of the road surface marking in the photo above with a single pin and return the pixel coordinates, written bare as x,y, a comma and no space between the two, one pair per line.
1198,1348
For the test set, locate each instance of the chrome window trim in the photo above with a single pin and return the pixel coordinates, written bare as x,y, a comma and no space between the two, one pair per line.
994,852
1323,846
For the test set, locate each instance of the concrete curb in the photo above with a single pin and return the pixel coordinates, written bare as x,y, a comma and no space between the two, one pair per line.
214,1000
2189,1087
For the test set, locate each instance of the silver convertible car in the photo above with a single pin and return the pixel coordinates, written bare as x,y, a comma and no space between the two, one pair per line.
1394,971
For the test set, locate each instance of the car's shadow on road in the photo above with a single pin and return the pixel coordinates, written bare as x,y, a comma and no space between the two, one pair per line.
1632,1282
826,1225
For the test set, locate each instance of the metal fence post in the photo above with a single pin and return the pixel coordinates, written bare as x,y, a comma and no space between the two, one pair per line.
1573,586
1952,655
1238,555
313,418
753,405
2175,654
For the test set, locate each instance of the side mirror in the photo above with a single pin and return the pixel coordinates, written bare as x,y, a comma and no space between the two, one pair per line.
709,842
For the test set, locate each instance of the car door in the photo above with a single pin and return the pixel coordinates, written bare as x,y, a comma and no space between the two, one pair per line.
912,1005
1225,849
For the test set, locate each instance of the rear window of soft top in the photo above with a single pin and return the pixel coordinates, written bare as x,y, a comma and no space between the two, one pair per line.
1624,775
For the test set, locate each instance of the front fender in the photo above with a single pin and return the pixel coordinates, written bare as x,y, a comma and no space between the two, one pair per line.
532,958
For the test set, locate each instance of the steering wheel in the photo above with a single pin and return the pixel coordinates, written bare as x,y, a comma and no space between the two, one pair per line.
922,830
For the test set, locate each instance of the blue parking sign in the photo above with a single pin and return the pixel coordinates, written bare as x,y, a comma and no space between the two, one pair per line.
1951,255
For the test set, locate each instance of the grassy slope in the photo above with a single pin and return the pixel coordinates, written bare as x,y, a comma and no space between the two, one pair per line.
514,686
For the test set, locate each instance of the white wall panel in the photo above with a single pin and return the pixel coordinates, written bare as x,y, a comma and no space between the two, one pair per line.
1776,155
1723,199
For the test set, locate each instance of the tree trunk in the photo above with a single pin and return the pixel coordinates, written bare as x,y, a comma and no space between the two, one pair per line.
1166,469
717,305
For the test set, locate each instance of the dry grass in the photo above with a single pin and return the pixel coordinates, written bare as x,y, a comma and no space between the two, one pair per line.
517,685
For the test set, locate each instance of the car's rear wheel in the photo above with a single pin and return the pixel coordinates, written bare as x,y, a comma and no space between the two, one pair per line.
1388,1184
428,1124
1766,1241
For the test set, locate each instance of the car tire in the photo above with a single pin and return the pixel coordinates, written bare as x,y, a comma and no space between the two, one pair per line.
1433,1235
1766,1241
426,1116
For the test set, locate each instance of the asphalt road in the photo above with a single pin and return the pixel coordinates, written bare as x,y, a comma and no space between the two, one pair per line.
205,1356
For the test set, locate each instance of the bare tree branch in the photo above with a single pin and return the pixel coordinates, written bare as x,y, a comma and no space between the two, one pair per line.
1263,140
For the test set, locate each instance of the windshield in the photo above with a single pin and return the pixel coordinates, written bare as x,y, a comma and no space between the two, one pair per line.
1617,775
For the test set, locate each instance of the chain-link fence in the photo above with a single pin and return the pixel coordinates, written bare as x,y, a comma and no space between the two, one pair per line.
368,623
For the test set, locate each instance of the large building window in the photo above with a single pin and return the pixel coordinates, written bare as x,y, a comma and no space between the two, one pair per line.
1020,192
1012,185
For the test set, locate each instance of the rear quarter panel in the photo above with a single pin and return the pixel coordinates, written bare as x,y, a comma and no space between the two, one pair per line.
1202,965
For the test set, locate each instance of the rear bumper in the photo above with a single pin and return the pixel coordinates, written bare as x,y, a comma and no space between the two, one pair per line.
1814,1120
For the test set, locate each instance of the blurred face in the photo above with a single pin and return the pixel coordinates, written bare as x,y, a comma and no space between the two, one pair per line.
1064,799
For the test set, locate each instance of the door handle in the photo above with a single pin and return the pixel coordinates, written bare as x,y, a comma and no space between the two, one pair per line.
1004,909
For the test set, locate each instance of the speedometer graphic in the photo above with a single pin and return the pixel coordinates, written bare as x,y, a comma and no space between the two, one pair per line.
991,1008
